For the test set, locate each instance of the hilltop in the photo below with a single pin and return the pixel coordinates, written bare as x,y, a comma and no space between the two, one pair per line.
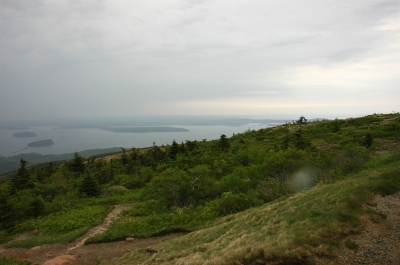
300,193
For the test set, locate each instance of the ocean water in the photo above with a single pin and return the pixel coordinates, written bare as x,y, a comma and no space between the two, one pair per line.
72,140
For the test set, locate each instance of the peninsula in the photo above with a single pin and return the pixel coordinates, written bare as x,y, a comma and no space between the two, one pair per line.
46,142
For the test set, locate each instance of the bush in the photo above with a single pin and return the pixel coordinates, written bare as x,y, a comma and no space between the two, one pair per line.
388,183
230,203
117,190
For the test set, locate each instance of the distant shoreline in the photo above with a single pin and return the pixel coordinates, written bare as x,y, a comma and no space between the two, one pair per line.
25,134
40,143
144,129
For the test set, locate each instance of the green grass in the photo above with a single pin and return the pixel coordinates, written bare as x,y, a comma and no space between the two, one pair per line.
292,230
351,244
49,239
130,225
64,226
12,261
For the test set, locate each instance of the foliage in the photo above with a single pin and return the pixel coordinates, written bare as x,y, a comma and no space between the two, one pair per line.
181,187
22,180
66,221
13,261
89,186
292,231
77,165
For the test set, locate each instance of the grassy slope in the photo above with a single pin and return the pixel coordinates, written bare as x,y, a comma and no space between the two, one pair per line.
291,230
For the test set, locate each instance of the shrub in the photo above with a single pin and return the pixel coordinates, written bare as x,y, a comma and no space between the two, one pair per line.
230,203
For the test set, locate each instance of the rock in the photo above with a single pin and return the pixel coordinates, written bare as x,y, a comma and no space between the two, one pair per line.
60,260
34,249
129,239
49,255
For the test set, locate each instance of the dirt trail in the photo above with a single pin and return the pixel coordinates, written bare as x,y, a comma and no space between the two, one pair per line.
100,228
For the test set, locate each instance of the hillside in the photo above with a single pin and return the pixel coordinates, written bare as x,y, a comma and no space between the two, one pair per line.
300,193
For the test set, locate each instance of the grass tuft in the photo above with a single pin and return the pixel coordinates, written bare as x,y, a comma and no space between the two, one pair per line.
351,244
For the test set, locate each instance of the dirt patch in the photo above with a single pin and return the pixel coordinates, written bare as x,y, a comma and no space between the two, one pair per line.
378,241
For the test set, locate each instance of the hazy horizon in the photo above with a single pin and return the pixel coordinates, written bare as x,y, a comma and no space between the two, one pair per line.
157,120
65,60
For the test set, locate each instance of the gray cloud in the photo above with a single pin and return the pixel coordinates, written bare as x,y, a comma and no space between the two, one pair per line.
94,58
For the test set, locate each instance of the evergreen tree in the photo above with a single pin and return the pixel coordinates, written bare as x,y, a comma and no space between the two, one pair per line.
7,212
22,180
182,149
124,157
78,164
158,154
191,145
89,186
223,142
300,142
36,207
174,150
368,140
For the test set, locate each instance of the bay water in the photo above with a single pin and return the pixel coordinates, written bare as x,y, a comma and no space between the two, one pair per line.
76,140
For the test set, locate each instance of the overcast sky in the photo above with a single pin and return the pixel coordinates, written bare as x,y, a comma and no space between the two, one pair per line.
283,58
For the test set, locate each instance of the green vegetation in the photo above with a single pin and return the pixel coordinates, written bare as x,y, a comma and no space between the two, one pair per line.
8,164
290,231
243,198
13,261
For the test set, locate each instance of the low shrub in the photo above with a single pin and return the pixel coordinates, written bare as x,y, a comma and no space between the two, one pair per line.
66,221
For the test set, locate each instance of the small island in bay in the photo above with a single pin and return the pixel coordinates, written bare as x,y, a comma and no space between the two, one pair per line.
46,142
25,134
144,129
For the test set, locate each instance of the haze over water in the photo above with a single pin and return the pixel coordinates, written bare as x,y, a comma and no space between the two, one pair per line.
80,139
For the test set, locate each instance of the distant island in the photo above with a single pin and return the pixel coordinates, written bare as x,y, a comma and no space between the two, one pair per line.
25,134
144,129
46,142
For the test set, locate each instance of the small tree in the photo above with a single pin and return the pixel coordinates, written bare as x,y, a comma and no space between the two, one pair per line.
8,215
78,164
174,150
301,120
22,180
89,186
336,125
124,157
223,142
300,142
368,140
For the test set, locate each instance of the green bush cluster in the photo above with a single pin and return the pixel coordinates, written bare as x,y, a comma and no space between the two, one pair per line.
66,221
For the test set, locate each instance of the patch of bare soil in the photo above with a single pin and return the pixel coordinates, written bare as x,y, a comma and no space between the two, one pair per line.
379,240
77,253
